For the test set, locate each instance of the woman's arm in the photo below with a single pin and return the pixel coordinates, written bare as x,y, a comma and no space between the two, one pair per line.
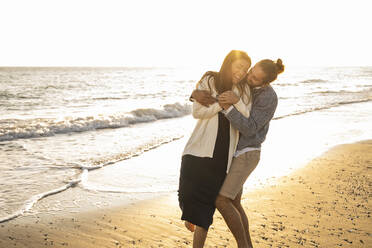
201,112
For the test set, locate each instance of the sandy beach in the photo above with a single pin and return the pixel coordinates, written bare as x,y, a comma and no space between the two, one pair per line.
324,204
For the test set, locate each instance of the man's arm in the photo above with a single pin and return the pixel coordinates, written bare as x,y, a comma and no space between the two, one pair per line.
262,112
203,97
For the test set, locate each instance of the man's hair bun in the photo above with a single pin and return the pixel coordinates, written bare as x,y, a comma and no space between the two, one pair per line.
279,66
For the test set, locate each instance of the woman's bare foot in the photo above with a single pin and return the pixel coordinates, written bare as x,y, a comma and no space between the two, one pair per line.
190,226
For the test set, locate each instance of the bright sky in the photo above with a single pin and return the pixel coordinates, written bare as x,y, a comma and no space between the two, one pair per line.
183,32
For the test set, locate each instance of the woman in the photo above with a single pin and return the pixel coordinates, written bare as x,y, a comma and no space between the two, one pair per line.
208,153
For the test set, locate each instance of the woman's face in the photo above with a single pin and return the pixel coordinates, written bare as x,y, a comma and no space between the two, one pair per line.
239,69
255,76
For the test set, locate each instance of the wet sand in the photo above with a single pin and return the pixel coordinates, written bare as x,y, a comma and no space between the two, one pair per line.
324,204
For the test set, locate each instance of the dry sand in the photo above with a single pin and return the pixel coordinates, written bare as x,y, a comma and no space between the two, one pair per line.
325,204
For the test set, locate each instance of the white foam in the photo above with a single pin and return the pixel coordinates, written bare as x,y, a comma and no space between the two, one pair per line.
34,199
31,128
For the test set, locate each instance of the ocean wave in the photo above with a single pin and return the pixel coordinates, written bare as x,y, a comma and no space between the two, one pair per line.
321,108
331,92
310,81
357,90
6,95
115,158
81,179
41,127
33,200
107,98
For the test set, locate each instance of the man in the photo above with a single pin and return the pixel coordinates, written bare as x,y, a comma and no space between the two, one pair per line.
253,131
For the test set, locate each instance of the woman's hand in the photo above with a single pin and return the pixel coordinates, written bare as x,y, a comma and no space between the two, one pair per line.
224,106
228,97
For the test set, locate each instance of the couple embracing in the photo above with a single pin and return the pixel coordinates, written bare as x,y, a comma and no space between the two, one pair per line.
234,107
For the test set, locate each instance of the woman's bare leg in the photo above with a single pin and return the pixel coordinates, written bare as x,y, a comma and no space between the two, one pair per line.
239,207
200,235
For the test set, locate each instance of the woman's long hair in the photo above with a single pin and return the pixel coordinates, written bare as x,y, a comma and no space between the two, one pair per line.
223,78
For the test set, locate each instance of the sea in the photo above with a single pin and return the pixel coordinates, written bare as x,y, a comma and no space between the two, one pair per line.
59,125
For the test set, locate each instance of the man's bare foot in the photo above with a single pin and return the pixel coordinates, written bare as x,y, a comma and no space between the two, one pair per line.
190,226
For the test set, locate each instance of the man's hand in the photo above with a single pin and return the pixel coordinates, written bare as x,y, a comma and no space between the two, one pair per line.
228,97
203,97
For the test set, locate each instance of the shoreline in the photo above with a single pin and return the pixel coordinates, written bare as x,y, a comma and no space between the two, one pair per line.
323,204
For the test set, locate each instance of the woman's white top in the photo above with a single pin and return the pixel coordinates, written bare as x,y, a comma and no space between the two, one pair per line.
203,138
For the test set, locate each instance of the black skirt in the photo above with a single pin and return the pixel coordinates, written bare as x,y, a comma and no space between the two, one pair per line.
201,179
